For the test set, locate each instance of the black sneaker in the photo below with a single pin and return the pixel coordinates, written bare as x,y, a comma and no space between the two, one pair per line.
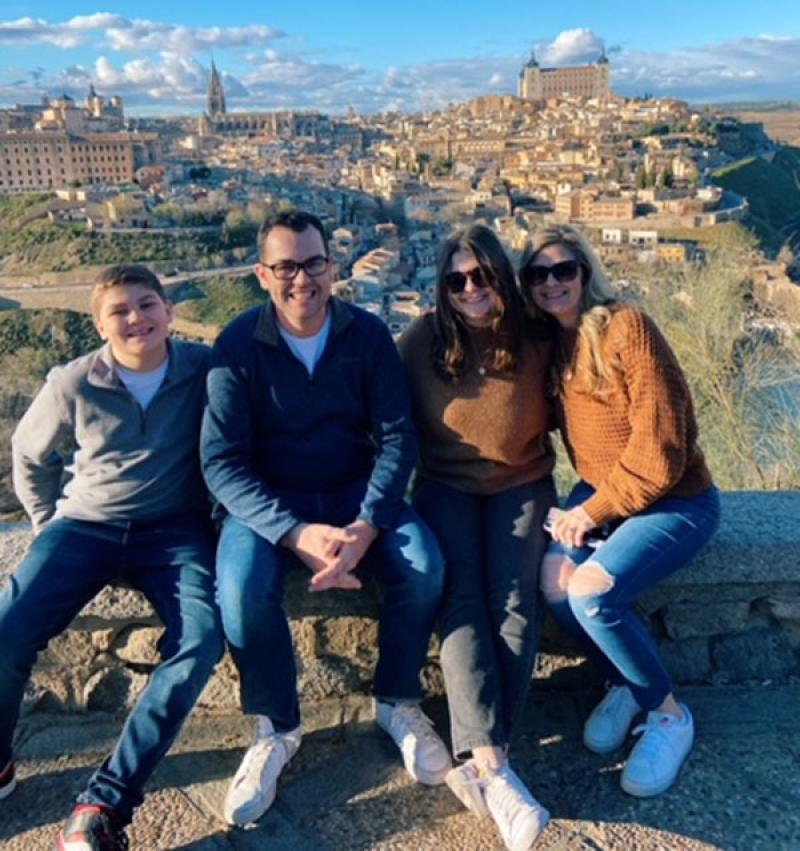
92,827
8,782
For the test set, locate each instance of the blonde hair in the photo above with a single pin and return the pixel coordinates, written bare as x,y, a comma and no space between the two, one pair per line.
598,304
120,276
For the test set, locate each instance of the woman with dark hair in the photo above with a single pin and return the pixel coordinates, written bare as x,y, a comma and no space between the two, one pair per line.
626,417
477,368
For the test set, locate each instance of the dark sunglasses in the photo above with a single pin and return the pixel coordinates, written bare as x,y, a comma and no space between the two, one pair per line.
535,276
456,281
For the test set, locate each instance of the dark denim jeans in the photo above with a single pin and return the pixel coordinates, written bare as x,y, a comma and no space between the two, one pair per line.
640,552
171,562
493,546
250,583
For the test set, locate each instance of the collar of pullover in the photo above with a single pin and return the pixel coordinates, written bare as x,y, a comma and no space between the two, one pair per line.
103,374
267,330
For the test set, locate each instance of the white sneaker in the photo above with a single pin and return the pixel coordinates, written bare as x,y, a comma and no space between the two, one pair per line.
519,817
253,787
657,757
424,754
467,785
606,728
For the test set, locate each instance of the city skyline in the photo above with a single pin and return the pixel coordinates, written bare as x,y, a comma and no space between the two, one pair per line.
418,56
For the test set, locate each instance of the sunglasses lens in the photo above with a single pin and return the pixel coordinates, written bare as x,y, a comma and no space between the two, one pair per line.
565,271
477,277
535,276
455,282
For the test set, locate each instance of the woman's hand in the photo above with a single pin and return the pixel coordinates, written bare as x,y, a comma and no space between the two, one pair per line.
571,527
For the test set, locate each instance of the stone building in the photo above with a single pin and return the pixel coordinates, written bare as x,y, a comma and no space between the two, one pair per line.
591,81
36,161
217,121
64,144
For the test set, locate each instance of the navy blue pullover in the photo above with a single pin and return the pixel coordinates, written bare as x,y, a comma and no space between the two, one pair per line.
271,429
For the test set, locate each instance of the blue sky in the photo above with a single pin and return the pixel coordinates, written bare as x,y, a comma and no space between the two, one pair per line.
407,55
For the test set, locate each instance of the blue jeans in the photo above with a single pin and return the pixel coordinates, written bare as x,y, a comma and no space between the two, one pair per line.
250,583
172,563
640,552
492,545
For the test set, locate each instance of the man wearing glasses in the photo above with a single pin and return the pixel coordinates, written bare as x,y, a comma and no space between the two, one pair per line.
307,444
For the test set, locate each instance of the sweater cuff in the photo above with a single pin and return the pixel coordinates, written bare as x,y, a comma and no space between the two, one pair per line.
600,509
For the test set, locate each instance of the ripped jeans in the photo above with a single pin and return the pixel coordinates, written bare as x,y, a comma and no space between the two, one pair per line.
591,591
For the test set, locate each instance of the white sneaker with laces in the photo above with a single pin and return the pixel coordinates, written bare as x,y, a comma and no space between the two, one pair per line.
253,787
657,757
466,784
606,728
519,817
425,757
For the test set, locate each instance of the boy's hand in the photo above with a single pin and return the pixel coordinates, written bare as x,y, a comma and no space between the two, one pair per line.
339,572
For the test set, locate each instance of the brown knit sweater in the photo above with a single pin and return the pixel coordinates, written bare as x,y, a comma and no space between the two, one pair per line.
638,443
482,433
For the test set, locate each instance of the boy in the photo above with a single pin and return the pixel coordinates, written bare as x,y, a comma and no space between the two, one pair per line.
134,508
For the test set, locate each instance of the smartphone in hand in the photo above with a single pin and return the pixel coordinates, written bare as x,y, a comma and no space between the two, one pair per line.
595,538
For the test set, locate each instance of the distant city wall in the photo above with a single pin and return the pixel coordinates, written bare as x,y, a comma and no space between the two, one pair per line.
732,616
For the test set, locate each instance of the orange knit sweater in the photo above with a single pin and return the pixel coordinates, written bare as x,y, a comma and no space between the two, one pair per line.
638,443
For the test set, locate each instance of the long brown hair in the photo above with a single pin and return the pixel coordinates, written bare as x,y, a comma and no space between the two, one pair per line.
598,304
454,350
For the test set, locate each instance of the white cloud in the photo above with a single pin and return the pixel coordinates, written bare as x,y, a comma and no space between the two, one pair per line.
160,65
571,47
763,67
121,33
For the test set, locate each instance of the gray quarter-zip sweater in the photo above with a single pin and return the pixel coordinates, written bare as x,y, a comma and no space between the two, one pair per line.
128,463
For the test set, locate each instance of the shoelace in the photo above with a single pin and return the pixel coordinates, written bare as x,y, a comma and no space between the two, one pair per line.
258,755
412,719
653,738
504,795
471,775
615,696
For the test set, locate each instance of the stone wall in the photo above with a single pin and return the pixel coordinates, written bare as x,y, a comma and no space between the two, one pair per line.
731,616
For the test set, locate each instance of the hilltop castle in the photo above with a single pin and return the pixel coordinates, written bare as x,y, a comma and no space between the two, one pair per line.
592,81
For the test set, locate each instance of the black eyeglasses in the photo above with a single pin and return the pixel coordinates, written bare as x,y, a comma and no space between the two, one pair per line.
456,281
286,270
535,275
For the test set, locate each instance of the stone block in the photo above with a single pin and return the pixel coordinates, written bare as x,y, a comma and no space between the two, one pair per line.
329,676
304,635
139,645
351,637
72,648
689,620
688,659
49,693
785,610
761,654
113,689
222,690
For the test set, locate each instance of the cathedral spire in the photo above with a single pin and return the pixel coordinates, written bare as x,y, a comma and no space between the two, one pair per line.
216,94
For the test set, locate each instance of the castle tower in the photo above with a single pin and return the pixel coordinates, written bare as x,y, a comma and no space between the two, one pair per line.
530,79
216,94
603,75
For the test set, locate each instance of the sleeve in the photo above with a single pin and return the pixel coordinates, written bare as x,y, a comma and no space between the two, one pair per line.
226,452
393,432
37,462
659,408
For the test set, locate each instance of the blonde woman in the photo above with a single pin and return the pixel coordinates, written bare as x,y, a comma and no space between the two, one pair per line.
625,414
